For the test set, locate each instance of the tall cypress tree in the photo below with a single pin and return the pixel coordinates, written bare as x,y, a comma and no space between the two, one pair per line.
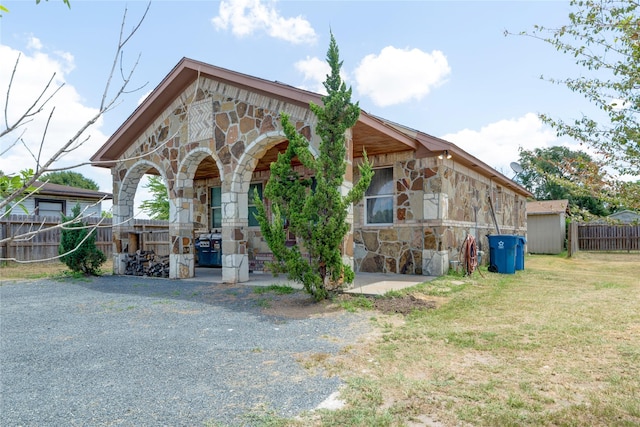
314,209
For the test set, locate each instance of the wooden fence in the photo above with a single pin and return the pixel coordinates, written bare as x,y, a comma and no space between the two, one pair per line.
151,235
604,237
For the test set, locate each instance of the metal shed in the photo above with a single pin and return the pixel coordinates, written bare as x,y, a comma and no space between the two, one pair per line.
546,226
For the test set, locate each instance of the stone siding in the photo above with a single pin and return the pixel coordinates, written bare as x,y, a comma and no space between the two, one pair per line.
437,203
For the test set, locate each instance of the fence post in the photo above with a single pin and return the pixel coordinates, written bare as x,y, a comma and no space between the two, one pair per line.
572,246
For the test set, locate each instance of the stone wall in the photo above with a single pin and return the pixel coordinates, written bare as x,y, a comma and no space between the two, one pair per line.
437,203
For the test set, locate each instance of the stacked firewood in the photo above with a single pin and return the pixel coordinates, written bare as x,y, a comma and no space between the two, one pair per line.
146,263
158,266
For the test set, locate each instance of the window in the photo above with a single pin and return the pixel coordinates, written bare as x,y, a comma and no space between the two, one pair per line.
379,198
216,207
50,207
253,222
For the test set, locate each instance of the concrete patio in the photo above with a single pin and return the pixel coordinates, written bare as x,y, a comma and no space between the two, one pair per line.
365,283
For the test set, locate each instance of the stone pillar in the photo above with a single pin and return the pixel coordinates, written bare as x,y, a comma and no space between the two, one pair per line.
123,199
235,213
435,263
181,256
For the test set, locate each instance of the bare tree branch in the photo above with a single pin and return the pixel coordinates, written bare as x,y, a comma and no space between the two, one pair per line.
105,105
35,108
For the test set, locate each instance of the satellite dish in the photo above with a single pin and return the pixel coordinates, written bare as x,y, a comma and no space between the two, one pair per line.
516,167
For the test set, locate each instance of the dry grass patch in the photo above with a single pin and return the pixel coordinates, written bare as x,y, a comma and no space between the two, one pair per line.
555,344
39,270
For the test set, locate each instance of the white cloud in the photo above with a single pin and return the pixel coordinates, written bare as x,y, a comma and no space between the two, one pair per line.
34,43
314,71
144,96
70,114
619,104
400,75
246,17
497,143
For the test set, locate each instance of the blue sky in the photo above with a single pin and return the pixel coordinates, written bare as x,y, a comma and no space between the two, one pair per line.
445,68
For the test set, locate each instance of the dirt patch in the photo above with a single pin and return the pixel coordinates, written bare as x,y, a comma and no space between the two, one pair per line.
300,305
295,306
403,305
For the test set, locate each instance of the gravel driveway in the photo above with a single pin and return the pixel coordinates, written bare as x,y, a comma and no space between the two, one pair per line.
132,351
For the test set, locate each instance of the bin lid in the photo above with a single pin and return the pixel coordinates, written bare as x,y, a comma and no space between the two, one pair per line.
210,236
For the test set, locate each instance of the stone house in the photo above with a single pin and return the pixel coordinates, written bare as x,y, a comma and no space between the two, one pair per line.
211,134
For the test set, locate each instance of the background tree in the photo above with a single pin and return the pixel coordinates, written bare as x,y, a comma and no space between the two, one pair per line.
72,179
158,206
78,245
314,209
560,173
604,38
12,184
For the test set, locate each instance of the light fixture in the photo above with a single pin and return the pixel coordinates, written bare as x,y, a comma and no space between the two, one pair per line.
444,154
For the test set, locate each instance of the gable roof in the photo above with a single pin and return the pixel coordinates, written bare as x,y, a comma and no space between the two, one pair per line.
57,190
547,207
379,135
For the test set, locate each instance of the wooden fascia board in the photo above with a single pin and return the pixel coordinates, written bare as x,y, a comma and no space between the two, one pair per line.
388,130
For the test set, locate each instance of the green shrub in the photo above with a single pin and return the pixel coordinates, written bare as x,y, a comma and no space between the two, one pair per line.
78,246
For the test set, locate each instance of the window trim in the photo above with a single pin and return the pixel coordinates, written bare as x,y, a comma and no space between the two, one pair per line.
381,196
62,202
216,207
250,203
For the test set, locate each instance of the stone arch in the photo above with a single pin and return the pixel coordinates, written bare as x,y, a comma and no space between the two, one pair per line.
188,166
123,209
252,154
183,186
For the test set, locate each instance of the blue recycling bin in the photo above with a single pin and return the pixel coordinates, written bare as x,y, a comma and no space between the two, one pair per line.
203,247
502,253
216,250
209,248
520,252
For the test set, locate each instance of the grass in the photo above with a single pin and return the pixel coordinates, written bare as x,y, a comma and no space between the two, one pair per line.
555,344
40,270
276,289
356,303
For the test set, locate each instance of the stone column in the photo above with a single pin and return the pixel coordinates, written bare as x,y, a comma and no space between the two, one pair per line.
181,257
123,199
235,213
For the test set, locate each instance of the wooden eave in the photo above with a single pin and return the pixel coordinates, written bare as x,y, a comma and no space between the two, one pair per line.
430,145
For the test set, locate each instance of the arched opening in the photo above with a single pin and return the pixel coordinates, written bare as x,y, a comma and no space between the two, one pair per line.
199,184
252,175
137,241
